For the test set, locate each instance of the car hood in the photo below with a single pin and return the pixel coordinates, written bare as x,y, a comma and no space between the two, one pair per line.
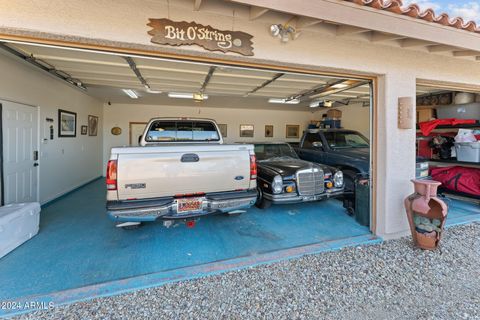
287,166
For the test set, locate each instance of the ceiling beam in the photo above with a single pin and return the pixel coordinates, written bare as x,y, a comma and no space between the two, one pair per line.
305,22
345,29
410,42
257,12
440,48
380,36
207,79
197,4
466,53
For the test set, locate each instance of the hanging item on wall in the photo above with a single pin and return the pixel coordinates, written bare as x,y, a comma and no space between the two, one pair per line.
83,130
292,131
92,125
223,129
116,131
246,131
180,33
268,131
67,124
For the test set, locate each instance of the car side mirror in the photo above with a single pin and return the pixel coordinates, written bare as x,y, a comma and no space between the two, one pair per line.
317,144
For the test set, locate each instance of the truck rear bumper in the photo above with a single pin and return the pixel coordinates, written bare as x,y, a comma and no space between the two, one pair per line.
166,209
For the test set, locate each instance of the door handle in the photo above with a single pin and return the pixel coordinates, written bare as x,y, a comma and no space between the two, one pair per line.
35,164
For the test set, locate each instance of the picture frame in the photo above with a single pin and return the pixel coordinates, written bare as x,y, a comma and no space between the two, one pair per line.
268,131
223,129
84,130
92,125
247,130
292,131
67,124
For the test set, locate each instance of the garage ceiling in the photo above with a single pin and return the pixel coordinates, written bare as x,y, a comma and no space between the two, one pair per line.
105,75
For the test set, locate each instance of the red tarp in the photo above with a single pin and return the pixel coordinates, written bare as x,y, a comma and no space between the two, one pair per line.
459,179
428,126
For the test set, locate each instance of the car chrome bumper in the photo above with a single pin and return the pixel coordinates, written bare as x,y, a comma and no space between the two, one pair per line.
285,198
167,210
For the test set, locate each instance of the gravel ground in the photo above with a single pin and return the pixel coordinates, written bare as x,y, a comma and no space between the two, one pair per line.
392,280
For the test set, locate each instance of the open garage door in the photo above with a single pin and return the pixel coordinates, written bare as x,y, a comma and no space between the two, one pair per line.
448,145
323,121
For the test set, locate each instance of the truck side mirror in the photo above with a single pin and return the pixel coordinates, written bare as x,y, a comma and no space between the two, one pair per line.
317,144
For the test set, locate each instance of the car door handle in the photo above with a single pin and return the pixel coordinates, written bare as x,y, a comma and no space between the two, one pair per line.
35,164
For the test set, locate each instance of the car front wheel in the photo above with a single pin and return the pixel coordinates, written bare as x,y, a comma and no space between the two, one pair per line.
262,203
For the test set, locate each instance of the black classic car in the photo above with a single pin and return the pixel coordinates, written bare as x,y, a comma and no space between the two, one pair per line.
283,177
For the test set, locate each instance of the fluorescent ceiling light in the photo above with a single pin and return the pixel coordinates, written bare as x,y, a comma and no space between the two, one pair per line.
340,86
129,92
181,95
283,101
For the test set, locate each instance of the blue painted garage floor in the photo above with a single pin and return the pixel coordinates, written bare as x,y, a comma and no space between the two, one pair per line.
79,249
79,246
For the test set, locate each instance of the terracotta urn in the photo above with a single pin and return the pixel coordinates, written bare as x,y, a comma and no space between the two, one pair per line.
426,214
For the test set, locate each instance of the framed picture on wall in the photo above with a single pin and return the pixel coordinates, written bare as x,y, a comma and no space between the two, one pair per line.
83,130
223,129
292,131
67,124
268,131
92,125
246,130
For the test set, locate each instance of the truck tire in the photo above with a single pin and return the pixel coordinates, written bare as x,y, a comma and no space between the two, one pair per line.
261,202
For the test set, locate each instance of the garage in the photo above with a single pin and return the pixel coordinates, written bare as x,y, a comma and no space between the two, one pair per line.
334,83
250,105
446,142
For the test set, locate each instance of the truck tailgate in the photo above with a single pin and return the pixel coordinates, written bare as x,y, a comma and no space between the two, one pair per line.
172,172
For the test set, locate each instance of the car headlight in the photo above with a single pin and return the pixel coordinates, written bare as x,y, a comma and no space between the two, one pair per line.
338,179
277,184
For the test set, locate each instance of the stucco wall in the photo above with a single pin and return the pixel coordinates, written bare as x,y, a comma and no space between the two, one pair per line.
397,68
65,163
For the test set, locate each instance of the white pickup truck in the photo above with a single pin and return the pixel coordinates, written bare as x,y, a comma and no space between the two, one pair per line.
182,170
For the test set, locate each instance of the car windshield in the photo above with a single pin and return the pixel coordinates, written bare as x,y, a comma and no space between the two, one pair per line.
342,140
265,151
164,131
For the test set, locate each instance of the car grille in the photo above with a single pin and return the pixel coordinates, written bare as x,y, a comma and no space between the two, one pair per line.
310,181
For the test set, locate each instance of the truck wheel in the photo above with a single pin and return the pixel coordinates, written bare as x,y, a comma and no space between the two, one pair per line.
262,203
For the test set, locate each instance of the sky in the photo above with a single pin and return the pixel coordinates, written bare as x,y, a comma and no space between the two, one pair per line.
467,9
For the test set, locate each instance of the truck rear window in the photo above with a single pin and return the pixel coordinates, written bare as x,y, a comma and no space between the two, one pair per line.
165,131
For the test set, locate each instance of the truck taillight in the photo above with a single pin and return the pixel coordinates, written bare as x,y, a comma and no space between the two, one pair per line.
253,167
112,175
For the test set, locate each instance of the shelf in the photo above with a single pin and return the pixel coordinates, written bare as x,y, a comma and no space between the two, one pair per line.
453,161
460,126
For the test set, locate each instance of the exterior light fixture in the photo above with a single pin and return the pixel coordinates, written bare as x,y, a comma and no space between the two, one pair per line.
283,101
285,32
129,92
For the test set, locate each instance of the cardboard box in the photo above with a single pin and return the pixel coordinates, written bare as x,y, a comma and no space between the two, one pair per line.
334,114
425,115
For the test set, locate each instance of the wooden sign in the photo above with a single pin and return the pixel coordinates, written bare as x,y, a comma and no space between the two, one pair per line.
168,32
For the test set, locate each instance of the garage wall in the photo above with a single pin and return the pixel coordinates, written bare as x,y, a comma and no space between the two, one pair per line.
122,114
71,161
354,117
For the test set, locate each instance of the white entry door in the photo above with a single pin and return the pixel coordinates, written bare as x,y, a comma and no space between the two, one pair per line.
20,152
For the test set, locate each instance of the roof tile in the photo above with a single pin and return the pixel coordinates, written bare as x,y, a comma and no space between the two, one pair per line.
414,11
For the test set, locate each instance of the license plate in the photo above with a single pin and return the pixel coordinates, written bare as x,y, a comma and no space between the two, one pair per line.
189,204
